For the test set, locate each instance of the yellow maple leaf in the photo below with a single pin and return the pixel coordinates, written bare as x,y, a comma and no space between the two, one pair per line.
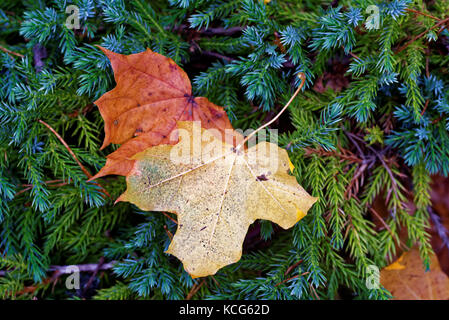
217,191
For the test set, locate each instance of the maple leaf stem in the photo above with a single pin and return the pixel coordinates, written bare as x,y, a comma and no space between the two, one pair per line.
303,80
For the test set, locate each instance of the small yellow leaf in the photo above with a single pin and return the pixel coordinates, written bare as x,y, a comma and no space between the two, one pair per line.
290,165
299,214
217,194
396,265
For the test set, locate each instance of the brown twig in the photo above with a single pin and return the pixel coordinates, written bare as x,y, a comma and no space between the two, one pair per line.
11,52
94,274
422,13
170,235
289,269
210,31
437,120
313,291
216,55
195,289
22,191
215,280
351,157
168,216
401,244
51,183
354,181
425,107
440,23
47,182
294,277
351,54
394,184
86,172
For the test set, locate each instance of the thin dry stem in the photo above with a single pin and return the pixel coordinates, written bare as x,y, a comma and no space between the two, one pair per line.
86,172
303,80
11,52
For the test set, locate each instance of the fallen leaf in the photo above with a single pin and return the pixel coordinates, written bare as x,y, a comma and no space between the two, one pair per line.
440,220
217,191
151,95
407,280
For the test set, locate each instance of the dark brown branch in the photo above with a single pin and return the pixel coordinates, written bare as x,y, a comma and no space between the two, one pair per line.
89,267
216,55
94,274
209,31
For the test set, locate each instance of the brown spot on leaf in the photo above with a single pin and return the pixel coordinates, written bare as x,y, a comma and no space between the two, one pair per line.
215,114
262,177
190,99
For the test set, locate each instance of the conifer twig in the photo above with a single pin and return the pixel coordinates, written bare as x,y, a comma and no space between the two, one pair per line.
86,172
51,183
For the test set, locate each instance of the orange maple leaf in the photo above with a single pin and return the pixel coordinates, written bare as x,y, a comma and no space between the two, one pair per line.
151,95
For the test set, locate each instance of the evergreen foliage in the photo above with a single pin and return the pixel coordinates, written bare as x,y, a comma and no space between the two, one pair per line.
380,136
